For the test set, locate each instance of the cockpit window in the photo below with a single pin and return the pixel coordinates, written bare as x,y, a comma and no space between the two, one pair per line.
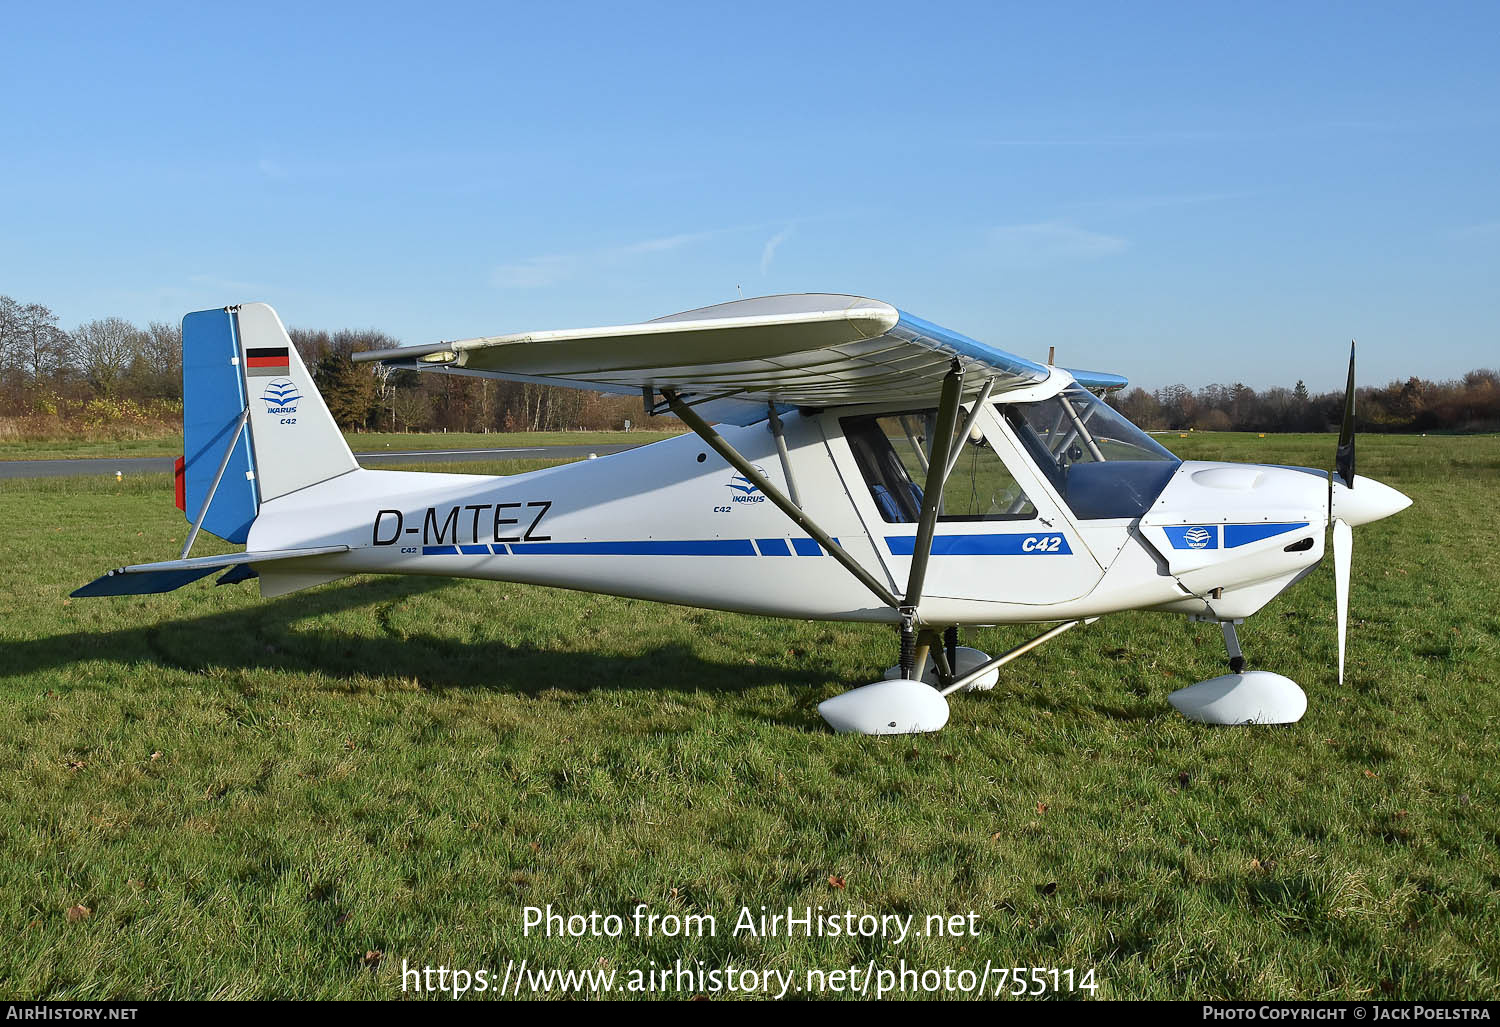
1101,464
892,452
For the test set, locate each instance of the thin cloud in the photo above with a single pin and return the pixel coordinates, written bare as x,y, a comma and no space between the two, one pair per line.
540,272
534,272
1051,242
768,252
1176,137
662,245
1135,204
1114,139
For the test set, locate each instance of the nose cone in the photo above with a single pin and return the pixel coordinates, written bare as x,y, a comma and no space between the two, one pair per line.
1369,500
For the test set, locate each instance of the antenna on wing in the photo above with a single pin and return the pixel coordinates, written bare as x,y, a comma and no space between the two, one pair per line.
1051,355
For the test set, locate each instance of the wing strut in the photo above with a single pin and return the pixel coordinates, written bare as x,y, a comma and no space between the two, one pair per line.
937,475
963,433
932,502
719,445
786,462
938,466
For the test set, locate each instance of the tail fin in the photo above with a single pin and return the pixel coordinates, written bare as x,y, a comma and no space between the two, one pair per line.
236,359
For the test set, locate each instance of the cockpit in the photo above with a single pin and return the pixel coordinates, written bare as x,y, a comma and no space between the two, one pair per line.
1099,463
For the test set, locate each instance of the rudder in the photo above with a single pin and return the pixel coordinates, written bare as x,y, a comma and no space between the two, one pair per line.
213,398
236,359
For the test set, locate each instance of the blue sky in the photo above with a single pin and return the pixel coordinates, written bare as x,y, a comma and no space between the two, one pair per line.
1199,192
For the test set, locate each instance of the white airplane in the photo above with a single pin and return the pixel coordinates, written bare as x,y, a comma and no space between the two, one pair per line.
867,466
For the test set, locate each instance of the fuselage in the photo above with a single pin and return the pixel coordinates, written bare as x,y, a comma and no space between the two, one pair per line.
673,522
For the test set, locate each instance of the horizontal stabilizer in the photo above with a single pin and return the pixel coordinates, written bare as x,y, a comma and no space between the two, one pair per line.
237,574
151,578
146,583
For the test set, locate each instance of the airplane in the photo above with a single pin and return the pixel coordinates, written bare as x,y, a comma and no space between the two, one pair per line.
846,461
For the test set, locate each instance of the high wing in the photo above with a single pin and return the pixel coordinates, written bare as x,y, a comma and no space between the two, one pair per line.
805,349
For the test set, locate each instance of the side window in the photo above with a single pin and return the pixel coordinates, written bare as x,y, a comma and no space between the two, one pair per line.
887,471
892,452
982,489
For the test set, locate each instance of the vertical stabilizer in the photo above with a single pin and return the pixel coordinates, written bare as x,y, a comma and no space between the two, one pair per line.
249,406
295,439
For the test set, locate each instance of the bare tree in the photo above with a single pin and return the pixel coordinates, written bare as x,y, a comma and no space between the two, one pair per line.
105,349
10,336
160,358
44,348
409,406
385,390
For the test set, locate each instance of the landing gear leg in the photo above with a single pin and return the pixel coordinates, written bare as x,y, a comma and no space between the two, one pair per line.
1232,644
949,662
924,647
908,644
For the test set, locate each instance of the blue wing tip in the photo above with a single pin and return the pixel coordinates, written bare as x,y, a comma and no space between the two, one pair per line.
962,345
1098,379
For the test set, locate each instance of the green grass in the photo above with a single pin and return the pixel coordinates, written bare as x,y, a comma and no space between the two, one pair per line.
249,796
171,445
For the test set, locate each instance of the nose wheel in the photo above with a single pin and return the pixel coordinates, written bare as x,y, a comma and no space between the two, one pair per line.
1241,696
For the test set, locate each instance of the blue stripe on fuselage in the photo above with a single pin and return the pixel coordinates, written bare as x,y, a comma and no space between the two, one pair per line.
1044,543
653,547
639,547
1244,534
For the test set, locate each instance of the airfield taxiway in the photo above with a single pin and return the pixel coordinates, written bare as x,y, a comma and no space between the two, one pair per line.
163,464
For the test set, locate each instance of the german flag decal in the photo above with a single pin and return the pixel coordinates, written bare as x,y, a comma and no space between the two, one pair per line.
267,362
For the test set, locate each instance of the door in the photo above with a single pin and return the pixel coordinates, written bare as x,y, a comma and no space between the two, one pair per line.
1001,534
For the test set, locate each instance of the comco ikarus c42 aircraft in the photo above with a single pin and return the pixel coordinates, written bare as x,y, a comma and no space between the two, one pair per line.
847,461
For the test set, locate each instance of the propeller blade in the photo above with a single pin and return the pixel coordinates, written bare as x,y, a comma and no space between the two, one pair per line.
1344,459
1343,552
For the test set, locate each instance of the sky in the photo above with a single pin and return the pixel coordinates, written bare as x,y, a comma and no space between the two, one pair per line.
1197,193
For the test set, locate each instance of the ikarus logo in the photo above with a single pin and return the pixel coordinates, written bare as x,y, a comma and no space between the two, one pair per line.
745,487
281,397
742,490
1197,538
1193,536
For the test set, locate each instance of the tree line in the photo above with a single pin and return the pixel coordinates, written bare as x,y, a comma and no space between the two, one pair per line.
1467,404
112,376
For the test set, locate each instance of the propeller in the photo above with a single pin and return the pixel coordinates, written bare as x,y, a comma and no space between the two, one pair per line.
1343,534
1343,461
1343,549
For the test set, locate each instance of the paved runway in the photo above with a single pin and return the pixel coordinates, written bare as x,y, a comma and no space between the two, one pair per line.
163,464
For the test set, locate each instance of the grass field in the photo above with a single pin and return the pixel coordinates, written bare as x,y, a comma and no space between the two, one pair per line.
252,798
360,442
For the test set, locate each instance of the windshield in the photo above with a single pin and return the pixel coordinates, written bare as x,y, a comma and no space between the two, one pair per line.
1100,463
